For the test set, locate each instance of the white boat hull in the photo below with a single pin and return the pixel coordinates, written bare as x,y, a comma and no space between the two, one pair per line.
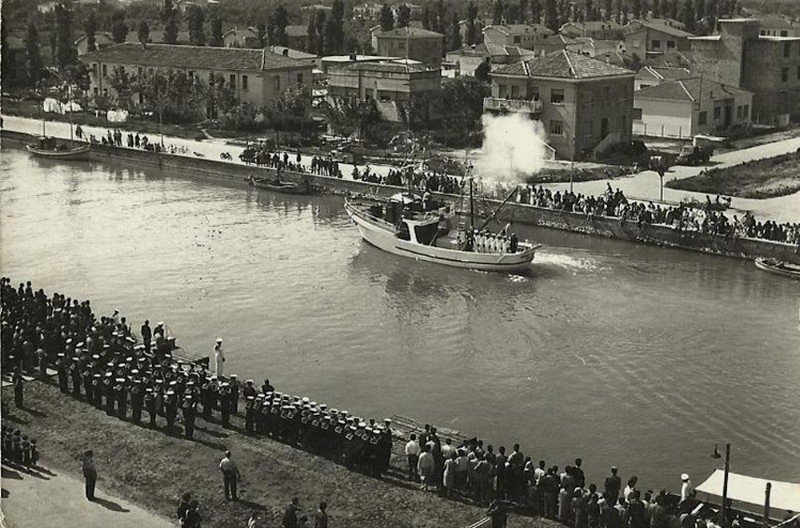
383,238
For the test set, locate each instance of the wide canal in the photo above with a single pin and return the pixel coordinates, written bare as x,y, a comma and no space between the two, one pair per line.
620,354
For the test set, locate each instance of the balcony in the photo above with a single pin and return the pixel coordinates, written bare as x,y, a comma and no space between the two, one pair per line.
497,104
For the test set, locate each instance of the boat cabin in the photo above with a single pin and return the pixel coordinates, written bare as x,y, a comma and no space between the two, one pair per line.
46,143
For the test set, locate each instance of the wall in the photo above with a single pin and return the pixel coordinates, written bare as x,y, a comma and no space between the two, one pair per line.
763,66
579,223
426,50
664,118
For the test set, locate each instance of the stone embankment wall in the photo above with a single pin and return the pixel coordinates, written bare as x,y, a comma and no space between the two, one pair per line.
658,235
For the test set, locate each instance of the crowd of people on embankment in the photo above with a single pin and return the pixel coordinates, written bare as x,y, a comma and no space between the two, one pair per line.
98,361
707,218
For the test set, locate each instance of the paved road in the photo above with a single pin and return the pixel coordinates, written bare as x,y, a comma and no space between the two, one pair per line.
49,499
644,185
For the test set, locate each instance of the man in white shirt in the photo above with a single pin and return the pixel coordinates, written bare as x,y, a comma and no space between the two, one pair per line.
231,476
219,358
412,452
687,489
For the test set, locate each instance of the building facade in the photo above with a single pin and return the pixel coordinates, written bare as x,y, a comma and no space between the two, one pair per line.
468,58
685,108
410,42
768,66
522,35
256,76
584,104
596,29
646,38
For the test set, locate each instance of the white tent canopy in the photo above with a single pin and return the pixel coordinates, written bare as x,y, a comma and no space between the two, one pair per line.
783,496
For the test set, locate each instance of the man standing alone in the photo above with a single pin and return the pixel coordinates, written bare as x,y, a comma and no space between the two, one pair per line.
89,473
219,358
147,335
230,475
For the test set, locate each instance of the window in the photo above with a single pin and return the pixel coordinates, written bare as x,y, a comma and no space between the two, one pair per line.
534,91
277,83
784,33
232,83
191,75
702,118
94,70
787,48
556,128
501,90
745,111
637,113
655,44
557,96
670,44
739,112
244,82
606,94
514,90
105,70
588,96
784,74
516,40
717,113
299,78
96,91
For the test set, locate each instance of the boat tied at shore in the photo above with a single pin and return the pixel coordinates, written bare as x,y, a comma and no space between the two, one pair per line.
280,186
49,147
778,267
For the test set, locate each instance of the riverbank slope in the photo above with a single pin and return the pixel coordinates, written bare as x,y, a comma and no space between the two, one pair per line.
153,469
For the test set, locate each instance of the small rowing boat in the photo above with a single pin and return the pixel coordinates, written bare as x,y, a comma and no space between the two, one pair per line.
779,267
48,147
280,186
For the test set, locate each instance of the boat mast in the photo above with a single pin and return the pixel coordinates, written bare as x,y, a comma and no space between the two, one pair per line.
471,208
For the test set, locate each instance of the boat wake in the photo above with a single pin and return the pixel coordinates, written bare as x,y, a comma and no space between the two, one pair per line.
569,262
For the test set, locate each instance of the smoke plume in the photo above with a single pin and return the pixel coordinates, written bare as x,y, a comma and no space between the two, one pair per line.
514,147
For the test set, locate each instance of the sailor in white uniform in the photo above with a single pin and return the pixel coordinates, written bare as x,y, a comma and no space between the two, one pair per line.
219,358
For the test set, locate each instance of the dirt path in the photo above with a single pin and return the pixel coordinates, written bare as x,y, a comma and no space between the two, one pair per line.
46,498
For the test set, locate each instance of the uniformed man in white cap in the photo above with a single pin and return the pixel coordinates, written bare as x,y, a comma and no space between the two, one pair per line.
219,358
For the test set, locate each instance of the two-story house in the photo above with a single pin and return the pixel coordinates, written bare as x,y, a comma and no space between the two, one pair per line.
582,102
410,42
522,35
648,37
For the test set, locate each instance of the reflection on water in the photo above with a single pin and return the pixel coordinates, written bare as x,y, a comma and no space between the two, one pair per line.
621,354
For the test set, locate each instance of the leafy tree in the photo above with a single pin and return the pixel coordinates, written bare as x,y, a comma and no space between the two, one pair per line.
76,76
123,85
590,12
270,30
551,15
90,28
143,33
403,16
172,94
472,31
498,12
219,96
261,34
312,41
637,9
66,53
607,7
216,32
656,8
329,36
169,16
196,21
687,15
350,116
119,29
522,11
483,70
322,38
464,99
334,38
699,10
454,33
426,18
386,18
280,18
8,75
34,59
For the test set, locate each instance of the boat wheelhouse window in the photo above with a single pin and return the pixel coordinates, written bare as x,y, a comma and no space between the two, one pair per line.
403,233
426,233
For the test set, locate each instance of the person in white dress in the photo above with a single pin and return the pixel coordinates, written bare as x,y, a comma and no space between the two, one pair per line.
219,358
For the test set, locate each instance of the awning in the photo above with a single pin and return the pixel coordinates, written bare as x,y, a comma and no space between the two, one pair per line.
784,495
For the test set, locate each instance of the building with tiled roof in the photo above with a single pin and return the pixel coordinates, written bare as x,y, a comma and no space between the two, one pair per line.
522,35
411,42
468,58
687,107
654,37
584,104
297,36
653,75
596,29
257,76
778,26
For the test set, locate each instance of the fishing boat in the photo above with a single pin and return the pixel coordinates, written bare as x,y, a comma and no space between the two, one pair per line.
280,186
779,267
48,147
404,226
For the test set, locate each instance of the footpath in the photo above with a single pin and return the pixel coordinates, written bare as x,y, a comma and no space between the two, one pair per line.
44,498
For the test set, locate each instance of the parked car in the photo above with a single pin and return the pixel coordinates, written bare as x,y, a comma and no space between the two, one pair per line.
694,155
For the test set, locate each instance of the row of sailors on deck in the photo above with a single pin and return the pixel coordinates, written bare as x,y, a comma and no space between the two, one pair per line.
485,242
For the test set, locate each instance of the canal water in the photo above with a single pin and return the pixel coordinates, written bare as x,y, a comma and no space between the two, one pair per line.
620,354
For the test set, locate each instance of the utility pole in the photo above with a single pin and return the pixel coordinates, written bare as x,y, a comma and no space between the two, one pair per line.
725,485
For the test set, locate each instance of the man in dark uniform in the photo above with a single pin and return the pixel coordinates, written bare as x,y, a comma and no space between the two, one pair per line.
122,399
137,399
97,390
248,414
88,377
75,372
225,404
110,392
234,394
147,335
189,412
206,397
18,388
150,405
170,410
61,369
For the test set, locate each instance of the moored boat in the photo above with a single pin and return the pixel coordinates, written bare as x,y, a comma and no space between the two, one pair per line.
280,186
403,227
779,267
48,147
